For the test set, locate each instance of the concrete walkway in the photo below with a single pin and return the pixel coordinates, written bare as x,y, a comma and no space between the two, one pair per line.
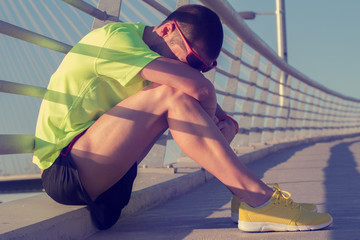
325,173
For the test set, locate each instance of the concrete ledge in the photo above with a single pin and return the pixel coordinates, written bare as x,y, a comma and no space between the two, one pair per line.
40,217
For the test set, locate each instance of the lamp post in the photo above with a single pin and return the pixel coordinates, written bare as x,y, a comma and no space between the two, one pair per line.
281,37
280,25
281,29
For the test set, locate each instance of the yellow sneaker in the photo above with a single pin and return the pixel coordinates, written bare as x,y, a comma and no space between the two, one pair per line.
281,214
235,204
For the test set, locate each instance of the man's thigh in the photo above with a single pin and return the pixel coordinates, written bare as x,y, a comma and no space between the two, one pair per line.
121,137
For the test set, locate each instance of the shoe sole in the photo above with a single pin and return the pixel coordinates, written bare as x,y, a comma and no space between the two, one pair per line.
276,227
235,216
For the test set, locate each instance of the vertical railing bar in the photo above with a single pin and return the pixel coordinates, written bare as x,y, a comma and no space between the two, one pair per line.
308,106
243,138
259,118
335,114
282,123
232,83
228,104
270,122
89,9
315,113
301,113
321,114
341,114
348,116
293,108
330,115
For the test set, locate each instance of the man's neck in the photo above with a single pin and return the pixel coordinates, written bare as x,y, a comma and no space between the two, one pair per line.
151,38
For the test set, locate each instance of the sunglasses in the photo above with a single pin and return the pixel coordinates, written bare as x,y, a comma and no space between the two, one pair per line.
192,58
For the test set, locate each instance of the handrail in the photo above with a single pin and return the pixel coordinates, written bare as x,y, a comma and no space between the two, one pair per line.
32,37
16,143
22,89
234,21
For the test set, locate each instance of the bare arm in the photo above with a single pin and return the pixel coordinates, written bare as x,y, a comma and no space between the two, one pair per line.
178,75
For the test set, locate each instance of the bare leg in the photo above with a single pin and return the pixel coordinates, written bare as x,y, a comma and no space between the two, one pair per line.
120,137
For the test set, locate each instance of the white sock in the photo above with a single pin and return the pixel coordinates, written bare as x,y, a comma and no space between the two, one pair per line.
263,205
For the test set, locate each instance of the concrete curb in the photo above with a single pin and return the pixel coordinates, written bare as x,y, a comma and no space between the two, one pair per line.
41,218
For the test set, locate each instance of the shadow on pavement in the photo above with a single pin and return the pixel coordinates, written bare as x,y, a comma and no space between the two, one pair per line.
260,167
342,183
206,207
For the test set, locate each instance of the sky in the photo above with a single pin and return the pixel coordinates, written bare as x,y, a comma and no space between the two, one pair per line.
323,38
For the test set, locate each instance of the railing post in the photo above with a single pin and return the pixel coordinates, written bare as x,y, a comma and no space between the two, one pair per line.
347,117
300,113
259,118
334,111
245,119
270,121
111,7
321,112
281,126
357,121
315,114
327,115
228,103
352,117
309,113
341,115
291,130
356,116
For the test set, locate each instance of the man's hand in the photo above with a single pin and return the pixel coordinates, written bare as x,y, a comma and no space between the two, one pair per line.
227,127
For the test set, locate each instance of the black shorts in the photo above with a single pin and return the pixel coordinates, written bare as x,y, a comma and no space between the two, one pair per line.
62,183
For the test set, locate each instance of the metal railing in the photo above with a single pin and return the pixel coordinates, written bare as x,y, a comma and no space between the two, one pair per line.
271,100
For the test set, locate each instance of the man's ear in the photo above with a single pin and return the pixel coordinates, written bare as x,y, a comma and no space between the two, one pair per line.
166,29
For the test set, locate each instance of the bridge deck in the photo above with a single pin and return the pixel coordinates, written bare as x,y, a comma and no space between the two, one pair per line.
325,173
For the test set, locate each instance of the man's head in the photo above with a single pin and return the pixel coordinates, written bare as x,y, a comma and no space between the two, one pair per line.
198,32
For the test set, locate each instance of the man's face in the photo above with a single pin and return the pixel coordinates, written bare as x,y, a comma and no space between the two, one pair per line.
190,57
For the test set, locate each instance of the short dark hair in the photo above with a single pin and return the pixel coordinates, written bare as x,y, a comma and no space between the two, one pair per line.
200,26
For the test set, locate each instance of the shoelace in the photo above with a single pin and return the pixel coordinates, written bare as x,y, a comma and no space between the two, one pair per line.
283,196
